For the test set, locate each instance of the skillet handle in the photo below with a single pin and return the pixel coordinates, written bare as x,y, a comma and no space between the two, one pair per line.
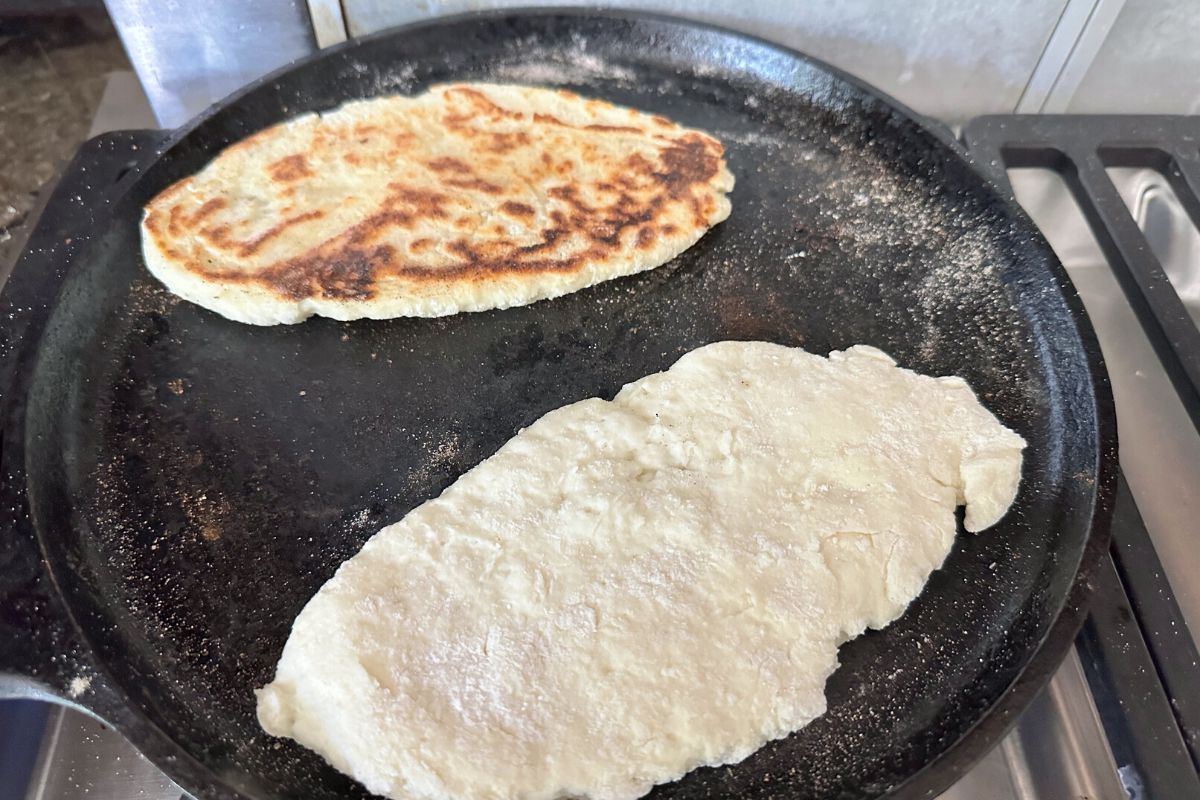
41,654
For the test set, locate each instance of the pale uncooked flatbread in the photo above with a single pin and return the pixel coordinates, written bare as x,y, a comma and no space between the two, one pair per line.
630,589
467,197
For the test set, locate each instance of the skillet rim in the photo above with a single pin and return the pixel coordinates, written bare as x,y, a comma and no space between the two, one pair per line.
995,720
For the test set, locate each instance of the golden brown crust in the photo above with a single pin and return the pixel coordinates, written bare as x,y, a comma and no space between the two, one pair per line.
464,215
289,168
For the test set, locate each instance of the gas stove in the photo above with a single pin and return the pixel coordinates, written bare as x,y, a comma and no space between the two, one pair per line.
1117,199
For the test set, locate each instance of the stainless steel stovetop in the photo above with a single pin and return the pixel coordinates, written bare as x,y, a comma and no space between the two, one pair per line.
1059,748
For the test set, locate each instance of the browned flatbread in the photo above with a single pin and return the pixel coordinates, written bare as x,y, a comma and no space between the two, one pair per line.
468,197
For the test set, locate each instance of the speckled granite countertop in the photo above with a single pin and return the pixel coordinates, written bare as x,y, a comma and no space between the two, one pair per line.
52,74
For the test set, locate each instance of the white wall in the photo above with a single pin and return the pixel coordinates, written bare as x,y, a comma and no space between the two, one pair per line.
1149,62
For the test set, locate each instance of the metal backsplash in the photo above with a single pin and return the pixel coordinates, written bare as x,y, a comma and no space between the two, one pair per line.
950,59
190,54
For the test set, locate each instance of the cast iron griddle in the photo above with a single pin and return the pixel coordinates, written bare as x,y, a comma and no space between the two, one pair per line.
192,481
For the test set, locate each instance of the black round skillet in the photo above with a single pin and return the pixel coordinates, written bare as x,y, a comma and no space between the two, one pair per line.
191,481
